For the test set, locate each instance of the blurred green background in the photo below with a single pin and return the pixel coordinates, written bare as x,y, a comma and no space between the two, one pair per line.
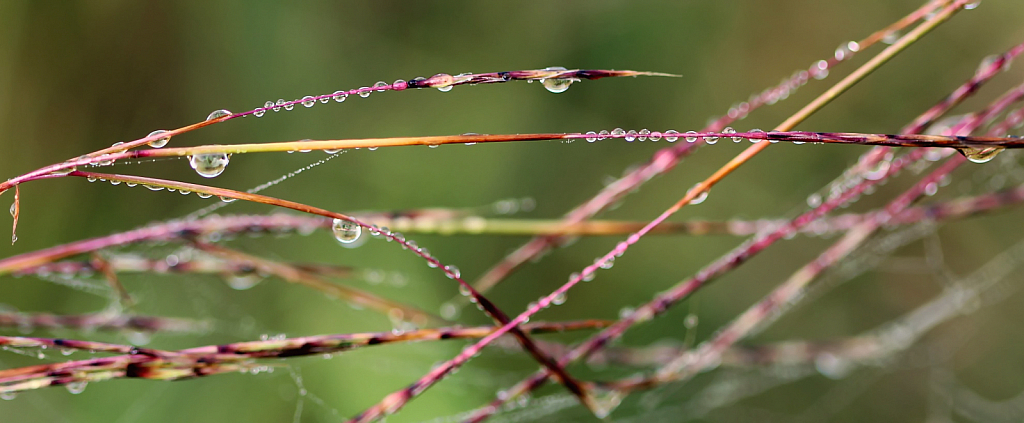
78,76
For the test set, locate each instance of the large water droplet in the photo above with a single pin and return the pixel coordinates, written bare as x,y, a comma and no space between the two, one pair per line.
591,136
452,272
346,231
209,165
556,85
671,135
364,92
308,101
703,195
642,135
558,299
340,96
379,86
243,281
280,102
7,396
76,387
160,142
217,114
980,154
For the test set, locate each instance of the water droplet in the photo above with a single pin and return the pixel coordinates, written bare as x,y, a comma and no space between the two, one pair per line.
757,140
204,195
217,114
209,165
655,136
671,135
379,86
587,277
556,85
243,281
642,135
449,311
558,299
690,321
308,101
831,366
819,70
88,178
691,136
339,96
710,139
346,231
7,396
703,195
603,400
602,135
364,92
76,388
399,85
814,200
980,154
591,136
464,290
730,130
972,5
452,272
631,135
931,189
618,133
280,102
160,142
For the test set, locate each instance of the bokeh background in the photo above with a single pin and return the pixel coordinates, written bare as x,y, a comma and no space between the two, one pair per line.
78,76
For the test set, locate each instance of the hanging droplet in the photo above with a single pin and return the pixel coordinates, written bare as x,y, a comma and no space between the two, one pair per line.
339,96
308,101
671,135
14,208
655,136
76,388
691,136
346,231
604,400
243,281
618,133
379,86
217,114
980,154
209,165
7,396
631,135
757,140
160,142
556,85
558,299
602,135
591,136
701,196
730,130
364,92
642,135
452,272
972,5
280,102
325,100
464,290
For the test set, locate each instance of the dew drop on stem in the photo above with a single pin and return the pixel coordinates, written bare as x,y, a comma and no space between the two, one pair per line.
556,85
308,101
280,102
217,114
364,92
159,142
980,155
345,231
76,387
209,165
